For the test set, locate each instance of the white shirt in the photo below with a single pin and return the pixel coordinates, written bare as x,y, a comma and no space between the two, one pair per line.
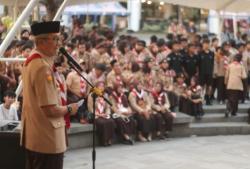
8,114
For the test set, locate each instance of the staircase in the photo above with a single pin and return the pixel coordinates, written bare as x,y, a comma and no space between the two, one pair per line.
214,122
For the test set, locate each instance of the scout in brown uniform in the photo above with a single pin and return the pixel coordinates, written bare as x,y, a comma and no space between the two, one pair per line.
122,113
135,73
166,77
142,52
180,88
233,79
161,112
115,76
43,126
245,61
163,50
194,94
76,85
97,74
82,53
128,56
148,75
140,103
77,89
104,123
220,65
100,55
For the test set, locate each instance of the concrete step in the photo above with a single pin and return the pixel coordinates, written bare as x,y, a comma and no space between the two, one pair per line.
217,108
219,117
222,128
81,135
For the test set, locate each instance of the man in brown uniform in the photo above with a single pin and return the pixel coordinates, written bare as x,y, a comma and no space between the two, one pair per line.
99,54
115,75
82,53
235,73
43,128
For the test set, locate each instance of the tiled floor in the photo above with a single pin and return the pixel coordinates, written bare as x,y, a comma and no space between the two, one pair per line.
221,152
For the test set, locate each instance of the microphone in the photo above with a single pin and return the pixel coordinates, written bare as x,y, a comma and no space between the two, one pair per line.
70,58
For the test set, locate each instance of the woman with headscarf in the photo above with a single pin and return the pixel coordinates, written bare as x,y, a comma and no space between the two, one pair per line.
104,123
122,113
140,103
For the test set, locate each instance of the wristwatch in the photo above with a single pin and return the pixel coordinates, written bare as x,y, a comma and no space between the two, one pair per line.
69,108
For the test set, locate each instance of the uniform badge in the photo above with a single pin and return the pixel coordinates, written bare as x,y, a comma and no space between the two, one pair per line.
49,76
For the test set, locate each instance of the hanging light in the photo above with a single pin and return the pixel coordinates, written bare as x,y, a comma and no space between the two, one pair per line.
143,1
149,2
161,3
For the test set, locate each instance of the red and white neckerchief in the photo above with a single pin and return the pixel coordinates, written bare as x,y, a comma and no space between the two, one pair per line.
194,88
32,57
160,98
136,93
63,96
115,57
100,105
225,62
82,86
139,60
170,73
118,98
182,85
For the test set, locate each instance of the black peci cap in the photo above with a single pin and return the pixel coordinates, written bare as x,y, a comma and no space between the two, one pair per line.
45,28
100,66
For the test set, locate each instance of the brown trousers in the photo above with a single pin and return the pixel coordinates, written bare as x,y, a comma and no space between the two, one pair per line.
36,160
233,100
105,129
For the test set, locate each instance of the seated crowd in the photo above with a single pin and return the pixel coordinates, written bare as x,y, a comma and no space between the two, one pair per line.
146,84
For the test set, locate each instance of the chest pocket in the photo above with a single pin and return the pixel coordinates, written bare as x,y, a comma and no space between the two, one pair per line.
57,122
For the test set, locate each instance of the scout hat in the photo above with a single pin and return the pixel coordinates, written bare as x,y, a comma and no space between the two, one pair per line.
45,27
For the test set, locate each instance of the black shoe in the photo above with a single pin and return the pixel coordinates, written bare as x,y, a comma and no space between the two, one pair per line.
209,102
206,99
161,137
128,142
166,135
131,141
227,114
234,114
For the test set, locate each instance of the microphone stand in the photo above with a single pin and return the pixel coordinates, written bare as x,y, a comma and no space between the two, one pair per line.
95,94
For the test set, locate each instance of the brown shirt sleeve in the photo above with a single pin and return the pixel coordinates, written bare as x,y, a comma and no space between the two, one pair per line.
45,88
132,101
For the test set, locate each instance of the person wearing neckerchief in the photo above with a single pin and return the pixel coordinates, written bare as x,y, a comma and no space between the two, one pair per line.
140,103
122,113
163,117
